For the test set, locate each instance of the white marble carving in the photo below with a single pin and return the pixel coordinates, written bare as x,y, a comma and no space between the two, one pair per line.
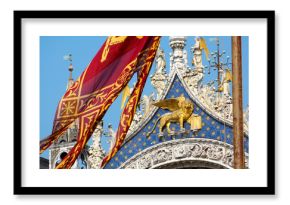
178,58
136,120
96,152
159,78
194,77
182,150
197,54
112,135
246,118
160,62
146,103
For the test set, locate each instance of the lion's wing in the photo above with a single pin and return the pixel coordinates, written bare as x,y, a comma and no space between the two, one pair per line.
169,104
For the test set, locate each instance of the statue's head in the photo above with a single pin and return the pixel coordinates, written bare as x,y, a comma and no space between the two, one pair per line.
160,52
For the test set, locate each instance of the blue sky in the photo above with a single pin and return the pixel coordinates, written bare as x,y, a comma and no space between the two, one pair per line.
54,72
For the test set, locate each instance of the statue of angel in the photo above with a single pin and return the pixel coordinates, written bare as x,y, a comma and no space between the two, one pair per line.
160,61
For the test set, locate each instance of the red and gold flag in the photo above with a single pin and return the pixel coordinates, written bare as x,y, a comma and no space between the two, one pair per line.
94,91
130,109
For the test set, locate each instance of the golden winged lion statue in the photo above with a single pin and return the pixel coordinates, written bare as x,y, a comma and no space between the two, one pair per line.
181,111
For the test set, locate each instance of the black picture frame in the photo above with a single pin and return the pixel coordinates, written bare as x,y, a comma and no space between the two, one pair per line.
19,189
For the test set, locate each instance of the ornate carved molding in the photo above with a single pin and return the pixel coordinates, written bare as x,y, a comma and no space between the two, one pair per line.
159,78
193,149
159,81
96,152
178,57
137,119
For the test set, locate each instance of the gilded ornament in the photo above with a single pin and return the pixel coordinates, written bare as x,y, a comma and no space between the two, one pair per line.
181,110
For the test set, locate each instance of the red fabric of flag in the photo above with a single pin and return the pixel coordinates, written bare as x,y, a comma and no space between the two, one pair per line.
95,90
128,113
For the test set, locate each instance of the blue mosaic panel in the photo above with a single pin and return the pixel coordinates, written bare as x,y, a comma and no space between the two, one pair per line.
212,129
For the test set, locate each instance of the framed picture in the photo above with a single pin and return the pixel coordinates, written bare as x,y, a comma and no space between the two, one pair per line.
144,102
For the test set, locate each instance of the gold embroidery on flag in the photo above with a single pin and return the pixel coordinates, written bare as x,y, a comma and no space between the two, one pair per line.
92,115
113,40
145,61
68,107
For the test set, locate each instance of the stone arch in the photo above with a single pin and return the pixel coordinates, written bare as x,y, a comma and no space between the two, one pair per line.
184,153
190,164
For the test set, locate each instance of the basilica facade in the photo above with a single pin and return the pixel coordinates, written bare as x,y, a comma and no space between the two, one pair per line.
183,124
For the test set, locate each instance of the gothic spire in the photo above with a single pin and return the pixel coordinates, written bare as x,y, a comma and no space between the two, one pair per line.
70,69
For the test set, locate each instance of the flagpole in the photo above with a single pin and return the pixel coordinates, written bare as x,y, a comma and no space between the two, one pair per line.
218,63
238,142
